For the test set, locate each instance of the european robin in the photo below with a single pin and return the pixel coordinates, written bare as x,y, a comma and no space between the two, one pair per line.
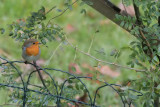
31,50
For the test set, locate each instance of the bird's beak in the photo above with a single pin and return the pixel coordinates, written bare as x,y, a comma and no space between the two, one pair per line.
39,43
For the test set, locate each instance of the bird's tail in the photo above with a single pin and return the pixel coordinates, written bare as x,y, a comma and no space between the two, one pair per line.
40,75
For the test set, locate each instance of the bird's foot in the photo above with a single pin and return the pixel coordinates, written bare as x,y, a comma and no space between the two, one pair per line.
26,62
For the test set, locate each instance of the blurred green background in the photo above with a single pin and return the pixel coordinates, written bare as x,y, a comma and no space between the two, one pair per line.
80,29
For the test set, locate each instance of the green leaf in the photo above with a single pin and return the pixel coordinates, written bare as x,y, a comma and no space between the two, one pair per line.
41,11
59,10
77,86
83,11
89,2
133,42
43,41
70,86
94,77
122,24
113,52
144,84
10,33
155,58
130,26
132,65
49,32
158,87
133,19
121,17
153,95
81,87
2,30
82,3
145,48
159,50
49,38
40,35
117,16
10,27
129,19
132,96
137,62
43,26
70,7
54,31
70,81
85,90
126,25
129,63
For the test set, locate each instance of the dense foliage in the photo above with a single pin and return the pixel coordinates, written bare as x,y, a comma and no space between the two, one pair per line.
146,50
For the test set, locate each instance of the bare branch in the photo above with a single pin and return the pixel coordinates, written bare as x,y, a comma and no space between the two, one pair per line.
99,60
147,43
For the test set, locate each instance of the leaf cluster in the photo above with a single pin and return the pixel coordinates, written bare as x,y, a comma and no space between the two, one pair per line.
145,51
35,26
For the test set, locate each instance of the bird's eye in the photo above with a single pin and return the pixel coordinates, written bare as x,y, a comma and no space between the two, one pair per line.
33,43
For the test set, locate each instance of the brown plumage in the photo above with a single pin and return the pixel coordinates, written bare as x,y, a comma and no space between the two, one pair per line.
29,41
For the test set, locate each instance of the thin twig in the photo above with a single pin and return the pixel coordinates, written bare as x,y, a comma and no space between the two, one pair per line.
75,56
61,13
12,105
147,43
50,10
91,44
53,53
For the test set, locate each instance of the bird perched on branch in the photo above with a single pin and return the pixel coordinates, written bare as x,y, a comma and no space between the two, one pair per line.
31,50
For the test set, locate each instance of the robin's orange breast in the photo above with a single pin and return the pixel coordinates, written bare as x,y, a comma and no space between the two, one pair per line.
32,50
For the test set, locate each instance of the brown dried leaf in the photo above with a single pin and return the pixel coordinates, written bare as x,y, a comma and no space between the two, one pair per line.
106,70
